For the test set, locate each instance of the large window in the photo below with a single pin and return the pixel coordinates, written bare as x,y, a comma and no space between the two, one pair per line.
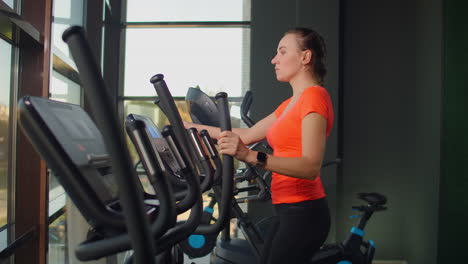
5,128
214,59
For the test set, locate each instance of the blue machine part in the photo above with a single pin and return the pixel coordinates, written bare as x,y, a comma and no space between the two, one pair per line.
372,243
196,241
154,133
344,262
354,216
209,210
357,231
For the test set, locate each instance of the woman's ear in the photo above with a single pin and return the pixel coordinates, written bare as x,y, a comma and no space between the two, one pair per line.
306,57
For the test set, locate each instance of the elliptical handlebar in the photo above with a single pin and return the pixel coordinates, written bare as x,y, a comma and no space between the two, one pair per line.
131,199
245,107
180,231
169,108
225,203
158,177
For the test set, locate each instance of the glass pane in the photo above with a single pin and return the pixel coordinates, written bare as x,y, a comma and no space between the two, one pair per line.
10,3
5,86
57,195
215,59
66,14
61,89
58,252
4,239
65,90
188,10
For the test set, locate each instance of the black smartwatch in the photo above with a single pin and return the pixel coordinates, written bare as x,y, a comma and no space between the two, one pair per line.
261,159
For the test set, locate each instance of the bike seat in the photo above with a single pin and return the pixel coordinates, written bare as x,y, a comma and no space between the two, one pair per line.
373,198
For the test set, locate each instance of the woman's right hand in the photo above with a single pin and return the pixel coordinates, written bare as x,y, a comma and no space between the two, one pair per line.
230,143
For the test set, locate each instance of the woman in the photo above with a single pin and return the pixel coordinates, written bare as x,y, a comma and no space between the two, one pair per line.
297,131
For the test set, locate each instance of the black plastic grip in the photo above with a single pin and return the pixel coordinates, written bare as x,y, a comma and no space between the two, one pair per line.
209,144
195,138
223,108
168,134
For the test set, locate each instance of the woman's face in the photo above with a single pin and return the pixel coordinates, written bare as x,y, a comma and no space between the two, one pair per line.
289,58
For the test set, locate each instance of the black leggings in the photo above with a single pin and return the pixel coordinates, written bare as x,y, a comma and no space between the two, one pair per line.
297,232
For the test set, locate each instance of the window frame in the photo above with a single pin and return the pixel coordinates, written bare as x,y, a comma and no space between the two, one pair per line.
25,28
10,166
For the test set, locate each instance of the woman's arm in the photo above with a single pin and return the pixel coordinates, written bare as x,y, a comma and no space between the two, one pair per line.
305,167
247,135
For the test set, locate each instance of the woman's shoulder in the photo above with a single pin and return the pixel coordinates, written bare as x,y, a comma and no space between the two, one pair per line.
316,99
315,92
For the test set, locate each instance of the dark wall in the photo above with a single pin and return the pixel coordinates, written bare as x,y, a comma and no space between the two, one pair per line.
270,19
453,231
392,90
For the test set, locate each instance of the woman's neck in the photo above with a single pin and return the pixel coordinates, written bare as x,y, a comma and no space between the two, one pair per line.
301,82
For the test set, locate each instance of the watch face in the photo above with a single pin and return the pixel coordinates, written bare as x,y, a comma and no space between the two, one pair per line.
261,159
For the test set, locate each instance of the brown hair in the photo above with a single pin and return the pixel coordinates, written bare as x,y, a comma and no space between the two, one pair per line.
309,39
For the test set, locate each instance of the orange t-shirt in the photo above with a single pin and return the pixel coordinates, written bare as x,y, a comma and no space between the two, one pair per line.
285,137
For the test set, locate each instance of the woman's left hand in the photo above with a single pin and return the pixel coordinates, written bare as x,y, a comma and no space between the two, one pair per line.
230,143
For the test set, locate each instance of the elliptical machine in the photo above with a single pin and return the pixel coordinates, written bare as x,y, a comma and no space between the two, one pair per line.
95,170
